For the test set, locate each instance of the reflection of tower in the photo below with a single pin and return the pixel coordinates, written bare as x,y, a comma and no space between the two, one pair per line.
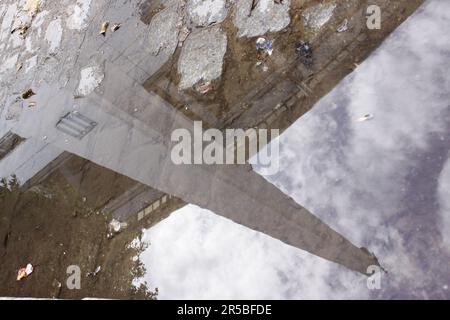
126,128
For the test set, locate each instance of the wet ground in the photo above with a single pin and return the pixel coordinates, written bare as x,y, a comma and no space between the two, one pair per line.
58,222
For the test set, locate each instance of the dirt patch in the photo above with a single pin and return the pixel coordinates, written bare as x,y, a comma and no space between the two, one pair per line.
53,227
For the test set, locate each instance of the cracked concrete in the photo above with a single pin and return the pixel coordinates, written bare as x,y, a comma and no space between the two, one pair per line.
203,13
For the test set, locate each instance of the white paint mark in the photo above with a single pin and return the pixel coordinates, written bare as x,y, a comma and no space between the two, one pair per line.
91,77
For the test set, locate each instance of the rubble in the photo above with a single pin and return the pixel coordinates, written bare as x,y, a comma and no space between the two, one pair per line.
203,13
164,30
317,16
202,56
267,16
90,78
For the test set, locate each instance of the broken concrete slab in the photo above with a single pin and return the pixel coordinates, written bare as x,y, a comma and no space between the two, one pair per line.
267,16
317,16
202,56
164,30
90,78
202,13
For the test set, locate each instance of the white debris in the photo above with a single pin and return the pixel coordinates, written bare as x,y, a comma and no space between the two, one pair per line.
53,35
317,16
343,27
79,14
206,12
116,226
202,56
267,16
91,77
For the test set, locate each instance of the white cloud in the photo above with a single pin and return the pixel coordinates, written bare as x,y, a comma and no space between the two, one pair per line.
375,181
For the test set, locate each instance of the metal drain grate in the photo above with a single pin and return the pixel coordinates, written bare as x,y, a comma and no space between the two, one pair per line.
76,125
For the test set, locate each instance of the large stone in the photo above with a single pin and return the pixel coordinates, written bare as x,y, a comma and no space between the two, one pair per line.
164,30
201,58
316,17
90,78
206,12
79,14
267,16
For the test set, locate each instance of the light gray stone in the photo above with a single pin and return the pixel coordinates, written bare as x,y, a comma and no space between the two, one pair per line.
316,17
206,12
267,16
164,29
202,57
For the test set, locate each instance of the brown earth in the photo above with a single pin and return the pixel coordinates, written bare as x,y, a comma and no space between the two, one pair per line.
53,227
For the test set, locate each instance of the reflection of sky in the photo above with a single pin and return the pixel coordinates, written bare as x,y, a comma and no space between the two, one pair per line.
383,183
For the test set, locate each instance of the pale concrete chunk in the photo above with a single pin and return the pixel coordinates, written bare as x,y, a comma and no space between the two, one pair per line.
205,12
202,57
267,16
164,31
316,17
90,78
